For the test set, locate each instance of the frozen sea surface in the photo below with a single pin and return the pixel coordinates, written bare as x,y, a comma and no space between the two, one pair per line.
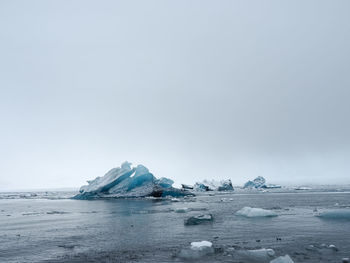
35,228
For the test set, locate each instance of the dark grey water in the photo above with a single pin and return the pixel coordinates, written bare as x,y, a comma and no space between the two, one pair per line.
35,229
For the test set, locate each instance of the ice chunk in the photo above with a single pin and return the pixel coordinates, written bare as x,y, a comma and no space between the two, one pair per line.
271,186
257,255
303,188
201,187
212,185
343,214
226,185
199,219
201,245
256,183
197,250
255,212
126,181
186,186
283,259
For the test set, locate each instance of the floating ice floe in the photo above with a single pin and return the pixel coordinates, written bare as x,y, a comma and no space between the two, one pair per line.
200,219
201,245
255,212
127,181
256,255
197,250
343,214
282,259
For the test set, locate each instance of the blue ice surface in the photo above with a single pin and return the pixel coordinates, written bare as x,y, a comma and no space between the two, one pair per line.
165,182
342,214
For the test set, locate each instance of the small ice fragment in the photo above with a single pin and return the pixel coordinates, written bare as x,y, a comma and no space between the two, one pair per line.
201,245
282,259
345,260
257,255
333,247
197,250
255,212
200,219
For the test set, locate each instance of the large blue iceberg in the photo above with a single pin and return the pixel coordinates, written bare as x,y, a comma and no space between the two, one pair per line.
127,181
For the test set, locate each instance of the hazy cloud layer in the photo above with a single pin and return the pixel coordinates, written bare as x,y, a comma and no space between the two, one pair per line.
191,89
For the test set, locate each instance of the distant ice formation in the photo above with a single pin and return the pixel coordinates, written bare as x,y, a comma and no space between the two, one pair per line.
303,188
127,181
260,182
255,212
211,185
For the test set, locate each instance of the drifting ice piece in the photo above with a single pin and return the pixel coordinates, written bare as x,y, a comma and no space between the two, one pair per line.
343,214
201,245
197,250
200,219
284,259
255,212
129,182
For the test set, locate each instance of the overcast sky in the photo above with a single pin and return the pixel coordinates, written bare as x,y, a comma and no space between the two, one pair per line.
191,89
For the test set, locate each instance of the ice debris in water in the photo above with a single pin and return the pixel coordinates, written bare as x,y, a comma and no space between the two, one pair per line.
197,250
255,212
201,245
127,181
257,255
282,259
343,214
199,219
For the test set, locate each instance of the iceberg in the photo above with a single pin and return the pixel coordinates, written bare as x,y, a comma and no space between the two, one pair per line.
282,259
255,212
256,183
127,181
206,185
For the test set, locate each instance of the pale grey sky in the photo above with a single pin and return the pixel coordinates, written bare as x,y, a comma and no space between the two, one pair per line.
191,89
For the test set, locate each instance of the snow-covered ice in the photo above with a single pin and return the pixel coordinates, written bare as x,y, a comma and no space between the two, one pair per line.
201,245
255,212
